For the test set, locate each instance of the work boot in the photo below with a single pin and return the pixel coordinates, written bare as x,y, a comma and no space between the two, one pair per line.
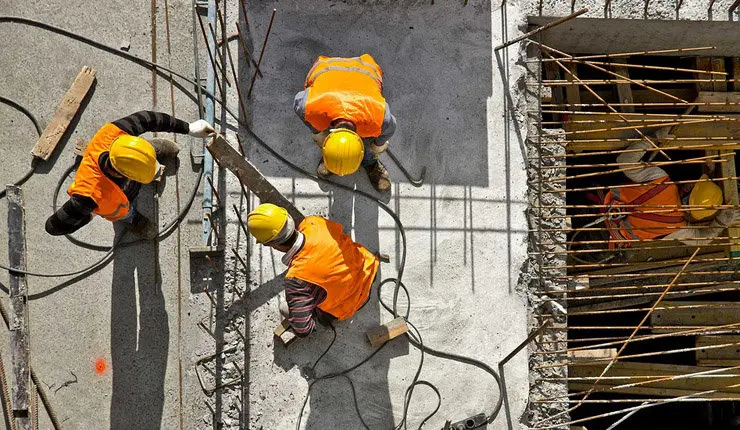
164,148
323,171
379,177
142,227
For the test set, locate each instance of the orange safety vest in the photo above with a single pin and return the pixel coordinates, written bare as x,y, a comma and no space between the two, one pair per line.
90,181
346,88
330,259
635,223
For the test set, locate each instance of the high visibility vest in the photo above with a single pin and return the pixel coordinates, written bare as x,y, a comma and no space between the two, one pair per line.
330,259
632,221
90,181
346,88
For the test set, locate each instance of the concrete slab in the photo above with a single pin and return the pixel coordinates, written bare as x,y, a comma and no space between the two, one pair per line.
465,228
126,313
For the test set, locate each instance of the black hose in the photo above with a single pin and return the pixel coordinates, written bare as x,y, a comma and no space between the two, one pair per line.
36,125
416,341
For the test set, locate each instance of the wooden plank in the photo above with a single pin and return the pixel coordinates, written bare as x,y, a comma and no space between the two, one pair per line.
66,111
736,74
572,92
703,63
227,157
730,192
668,388
19,341
640,95
590,354
719,82
718,357
284,332
709,314
552,72
390,330
731,100
624,91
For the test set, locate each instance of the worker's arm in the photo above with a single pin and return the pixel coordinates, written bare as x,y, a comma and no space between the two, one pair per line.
71,216
635,173
388,128
704,235
302,298
148,121
299,106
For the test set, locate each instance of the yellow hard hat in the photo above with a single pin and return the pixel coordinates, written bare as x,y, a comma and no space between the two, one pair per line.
704,194
267,221
134,158
342,151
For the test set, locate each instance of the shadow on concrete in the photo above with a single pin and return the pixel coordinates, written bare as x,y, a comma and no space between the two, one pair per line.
139,335
437,64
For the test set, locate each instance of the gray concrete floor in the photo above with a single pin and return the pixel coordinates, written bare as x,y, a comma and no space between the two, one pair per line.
465,227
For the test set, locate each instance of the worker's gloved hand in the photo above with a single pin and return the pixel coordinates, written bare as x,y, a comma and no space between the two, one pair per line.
379,149
318,138
201,129
727,217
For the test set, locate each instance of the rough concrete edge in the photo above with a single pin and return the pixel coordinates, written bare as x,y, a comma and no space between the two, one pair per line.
533,276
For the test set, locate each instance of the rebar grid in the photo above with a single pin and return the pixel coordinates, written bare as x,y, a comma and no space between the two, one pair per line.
616,283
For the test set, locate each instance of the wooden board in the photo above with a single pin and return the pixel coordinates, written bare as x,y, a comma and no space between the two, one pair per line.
639,95
736,73
228,158
392,329
612,128
590,354
66,111
624,91
710,314
284,332
18,288
731,101
715,64
670,388
718,357
572,92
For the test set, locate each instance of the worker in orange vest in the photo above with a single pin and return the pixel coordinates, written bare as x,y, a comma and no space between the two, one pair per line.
343,105
329,276
646,211
115,164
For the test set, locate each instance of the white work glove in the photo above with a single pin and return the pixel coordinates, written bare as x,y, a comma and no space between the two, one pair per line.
726,217
379,149
318,138
200,129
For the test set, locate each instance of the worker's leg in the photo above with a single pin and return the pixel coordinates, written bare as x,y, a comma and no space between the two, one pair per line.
376,171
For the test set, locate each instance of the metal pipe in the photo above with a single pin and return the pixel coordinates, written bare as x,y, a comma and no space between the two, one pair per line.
207,205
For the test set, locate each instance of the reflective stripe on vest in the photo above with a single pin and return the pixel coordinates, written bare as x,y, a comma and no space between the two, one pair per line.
346,88
637,224
90,181
330,259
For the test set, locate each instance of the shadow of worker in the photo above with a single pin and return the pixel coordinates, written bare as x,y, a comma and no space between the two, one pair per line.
332,401
139,338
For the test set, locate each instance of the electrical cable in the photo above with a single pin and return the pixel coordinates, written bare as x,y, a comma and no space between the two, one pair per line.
36,125
415,340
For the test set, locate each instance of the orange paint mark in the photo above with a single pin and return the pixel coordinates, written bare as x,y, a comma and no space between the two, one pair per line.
100,366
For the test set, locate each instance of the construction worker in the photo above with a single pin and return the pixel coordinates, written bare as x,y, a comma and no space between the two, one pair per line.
645,212
114,165
343,105
329,276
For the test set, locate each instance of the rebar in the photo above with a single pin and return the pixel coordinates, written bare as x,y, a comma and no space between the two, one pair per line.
262,52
